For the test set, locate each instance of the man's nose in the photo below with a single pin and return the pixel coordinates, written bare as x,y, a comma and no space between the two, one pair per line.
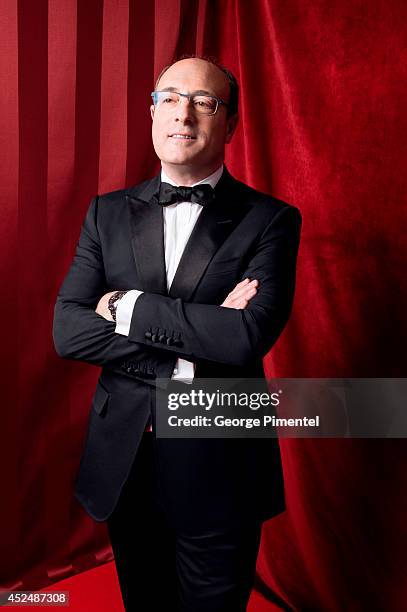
184,110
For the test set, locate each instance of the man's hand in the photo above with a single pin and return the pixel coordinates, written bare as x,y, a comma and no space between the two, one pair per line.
241,294
102,307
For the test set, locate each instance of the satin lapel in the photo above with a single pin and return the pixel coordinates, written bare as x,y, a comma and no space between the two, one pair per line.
147,227
214,225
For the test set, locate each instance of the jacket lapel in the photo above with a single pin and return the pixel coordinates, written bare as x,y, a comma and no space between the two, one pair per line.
147,228
215,223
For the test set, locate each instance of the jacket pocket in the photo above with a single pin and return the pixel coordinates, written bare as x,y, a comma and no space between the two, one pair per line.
100,399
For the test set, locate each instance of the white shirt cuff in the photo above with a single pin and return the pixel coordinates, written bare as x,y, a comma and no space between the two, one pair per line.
184,371
124,311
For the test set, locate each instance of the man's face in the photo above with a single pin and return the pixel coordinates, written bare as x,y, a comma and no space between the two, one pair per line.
209,133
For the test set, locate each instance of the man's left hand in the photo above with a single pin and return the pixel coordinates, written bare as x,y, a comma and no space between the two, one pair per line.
102,307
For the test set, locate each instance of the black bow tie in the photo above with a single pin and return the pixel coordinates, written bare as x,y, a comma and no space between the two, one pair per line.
200,194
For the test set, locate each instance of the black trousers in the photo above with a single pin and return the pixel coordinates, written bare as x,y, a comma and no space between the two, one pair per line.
160,569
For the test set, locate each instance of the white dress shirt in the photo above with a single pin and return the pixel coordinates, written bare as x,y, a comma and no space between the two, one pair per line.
179,221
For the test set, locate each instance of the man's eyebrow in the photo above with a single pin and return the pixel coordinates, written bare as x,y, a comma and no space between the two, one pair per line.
199,92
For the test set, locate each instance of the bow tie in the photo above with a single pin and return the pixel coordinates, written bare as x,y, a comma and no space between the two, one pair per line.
200,194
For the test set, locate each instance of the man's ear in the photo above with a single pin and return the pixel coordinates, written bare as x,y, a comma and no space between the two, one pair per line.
231,127
152,109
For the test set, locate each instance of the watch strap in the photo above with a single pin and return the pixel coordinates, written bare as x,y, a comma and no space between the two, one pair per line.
113,301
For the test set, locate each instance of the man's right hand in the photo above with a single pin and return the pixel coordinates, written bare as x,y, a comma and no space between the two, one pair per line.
241,294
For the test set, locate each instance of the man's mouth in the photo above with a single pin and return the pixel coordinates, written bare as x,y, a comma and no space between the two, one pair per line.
182,136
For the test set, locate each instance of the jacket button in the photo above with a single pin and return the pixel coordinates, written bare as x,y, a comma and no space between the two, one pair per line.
147,335
178,343
162,338
170,341
154,338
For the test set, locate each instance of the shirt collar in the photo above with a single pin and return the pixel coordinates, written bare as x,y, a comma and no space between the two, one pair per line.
212,179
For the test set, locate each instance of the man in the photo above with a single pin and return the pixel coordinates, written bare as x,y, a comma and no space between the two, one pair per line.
192,276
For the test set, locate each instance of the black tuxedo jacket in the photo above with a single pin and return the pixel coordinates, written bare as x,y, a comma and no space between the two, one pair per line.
244,233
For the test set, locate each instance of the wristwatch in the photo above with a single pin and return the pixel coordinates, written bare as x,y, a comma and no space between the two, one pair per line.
113,301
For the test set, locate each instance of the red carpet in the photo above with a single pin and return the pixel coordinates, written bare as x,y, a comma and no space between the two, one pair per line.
98,590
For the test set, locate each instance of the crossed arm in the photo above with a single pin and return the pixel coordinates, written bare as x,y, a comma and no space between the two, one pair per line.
184,369
238,298
244,327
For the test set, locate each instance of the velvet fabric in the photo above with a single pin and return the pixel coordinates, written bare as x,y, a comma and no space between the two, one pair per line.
322,126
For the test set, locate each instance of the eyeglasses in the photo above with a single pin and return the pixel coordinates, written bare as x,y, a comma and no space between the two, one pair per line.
204,105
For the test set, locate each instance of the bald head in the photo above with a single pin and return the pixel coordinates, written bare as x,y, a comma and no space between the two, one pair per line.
219,75
187,69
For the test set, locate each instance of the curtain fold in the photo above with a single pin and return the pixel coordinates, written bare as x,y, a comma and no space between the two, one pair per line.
322,126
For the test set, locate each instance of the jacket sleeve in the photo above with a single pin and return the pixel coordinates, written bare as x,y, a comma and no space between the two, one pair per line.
226,335
81,334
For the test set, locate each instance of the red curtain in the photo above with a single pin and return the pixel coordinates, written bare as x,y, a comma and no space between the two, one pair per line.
322,126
